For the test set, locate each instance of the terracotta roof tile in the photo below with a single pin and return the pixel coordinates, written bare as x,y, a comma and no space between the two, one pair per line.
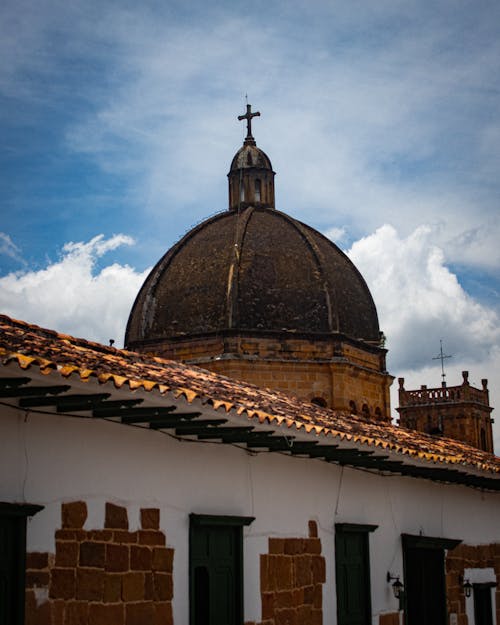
30,345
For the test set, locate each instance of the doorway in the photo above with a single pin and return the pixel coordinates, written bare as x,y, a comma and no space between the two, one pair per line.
424,574
216,569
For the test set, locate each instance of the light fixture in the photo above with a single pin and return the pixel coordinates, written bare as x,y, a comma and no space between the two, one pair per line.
466,585
397,587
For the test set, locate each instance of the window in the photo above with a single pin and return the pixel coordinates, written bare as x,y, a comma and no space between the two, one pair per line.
352,567
319,401
13,560
216,569
257,190
484,446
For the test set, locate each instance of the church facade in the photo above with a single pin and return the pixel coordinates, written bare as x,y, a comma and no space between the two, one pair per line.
236,464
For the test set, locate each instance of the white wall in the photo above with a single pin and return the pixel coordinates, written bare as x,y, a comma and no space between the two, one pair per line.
50,459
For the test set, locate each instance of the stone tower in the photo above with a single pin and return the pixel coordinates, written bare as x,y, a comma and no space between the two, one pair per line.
461,412
257,295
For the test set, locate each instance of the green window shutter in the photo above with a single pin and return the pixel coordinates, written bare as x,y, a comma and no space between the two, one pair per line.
13,560
352,566
216,569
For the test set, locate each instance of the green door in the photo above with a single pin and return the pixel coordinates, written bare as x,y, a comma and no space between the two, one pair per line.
352,566
13,560
216,570
10,608
483,614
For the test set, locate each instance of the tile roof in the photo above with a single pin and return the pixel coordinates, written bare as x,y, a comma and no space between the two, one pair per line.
51,352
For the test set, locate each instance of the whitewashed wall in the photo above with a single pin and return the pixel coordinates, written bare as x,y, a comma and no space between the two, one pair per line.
50,459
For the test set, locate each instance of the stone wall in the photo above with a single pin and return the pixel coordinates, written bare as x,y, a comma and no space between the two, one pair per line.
338,372
109,576
292,575
469,556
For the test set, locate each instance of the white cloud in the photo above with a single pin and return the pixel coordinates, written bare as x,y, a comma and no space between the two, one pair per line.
9,248
73,296
420,301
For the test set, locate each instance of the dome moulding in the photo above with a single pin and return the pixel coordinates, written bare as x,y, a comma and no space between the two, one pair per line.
260,296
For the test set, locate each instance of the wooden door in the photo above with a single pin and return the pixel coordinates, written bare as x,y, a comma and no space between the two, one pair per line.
216,575
353,578
425,586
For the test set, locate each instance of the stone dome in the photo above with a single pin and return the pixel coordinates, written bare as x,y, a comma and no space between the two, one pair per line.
253,270
249,156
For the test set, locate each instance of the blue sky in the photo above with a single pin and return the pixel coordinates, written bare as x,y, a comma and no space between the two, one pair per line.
381,119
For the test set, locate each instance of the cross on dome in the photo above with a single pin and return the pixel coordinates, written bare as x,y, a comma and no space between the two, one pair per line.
248,116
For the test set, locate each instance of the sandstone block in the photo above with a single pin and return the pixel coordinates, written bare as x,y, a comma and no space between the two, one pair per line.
150,518
116,517
74,514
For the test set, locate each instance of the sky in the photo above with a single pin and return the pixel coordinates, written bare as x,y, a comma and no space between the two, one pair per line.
382,121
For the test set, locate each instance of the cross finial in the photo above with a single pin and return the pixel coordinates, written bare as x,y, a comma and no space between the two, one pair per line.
442,357
249,140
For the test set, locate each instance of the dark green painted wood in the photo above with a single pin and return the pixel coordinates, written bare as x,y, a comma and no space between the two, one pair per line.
220,432
30,391
429,542
424,582
127,414
13,560
66,401
112,405
483,613
216,569
355,527
352,566
13,382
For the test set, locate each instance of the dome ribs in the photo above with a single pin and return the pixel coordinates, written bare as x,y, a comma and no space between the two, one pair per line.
232,311
333,320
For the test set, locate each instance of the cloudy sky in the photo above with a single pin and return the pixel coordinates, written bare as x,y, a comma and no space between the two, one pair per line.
118,124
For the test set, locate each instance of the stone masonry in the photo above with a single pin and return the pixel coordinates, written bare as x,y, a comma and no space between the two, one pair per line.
110,576
292,575
469,556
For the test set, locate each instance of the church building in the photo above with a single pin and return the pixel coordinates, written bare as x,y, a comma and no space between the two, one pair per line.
236,463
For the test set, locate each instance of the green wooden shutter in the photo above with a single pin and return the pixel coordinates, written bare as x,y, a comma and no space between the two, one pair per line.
216,570
13,560
352,566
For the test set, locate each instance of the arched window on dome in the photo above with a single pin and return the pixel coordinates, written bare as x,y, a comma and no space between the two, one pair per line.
319,401
352,407
378,413
365,410
257,190
242,192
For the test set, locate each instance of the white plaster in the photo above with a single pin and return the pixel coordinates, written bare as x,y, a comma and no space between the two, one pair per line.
54,459
41,596
479,576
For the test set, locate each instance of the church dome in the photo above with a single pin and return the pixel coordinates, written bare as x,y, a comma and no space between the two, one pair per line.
250,156
253,270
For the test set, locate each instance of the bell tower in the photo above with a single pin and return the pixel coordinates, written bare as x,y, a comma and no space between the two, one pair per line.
461,412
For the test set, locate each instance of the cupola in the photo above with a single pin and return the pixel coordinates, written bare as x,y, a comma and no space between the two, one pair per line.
251,176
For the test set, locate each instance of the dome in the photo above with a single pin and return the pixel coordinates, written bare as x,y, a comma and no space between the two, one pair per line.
250,156
253,270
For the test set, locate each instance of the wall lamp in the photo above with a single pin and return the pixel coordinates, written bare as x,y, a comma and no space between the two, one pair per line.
397,586
466,585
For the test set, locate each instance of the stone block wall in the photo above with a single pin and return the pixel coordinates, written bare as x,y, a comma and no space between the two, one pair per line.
470,557
292,575
110,576
338,372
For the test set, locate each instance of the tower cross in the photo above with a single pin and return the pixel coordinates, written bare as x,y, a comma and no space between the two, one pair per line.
248,116
442,357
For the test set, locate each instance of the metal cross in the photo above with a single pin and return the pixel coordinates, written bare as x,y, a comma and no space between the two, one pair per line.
248,116
442,357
